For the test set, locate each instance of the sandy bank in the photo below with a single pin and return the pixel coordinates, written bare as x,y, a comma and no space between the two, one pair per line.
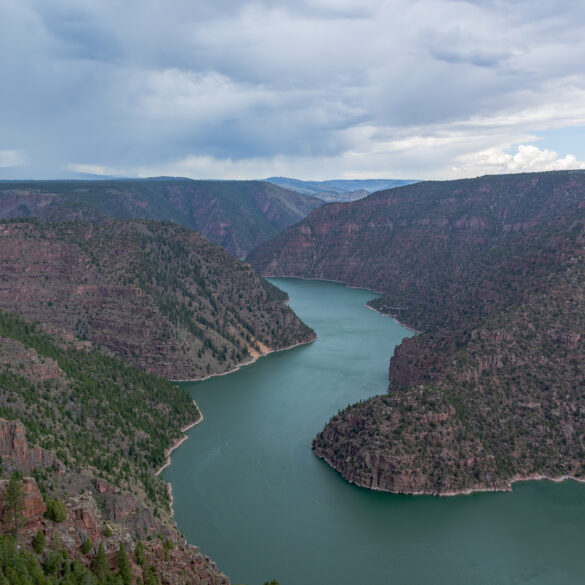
249,362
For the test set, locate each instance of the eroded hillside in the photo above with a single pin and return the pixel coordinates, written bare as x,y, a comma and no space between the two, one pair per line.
492,270
157,295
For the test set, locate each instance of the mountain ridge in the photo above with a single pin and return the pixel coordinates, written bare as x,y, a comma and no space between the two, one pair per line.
236,215
490,270
155,294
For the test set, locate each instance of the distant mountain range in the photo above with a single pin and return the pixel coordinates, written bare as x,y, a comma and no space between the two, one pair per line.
237,215
338,190
492,271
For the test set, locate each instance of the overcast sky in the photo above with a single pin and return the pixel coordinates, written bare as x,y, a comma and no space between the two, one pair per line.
313,89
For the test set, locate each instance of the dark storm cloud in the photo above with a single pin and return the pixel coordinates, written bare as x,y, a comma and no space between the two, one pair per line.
342,87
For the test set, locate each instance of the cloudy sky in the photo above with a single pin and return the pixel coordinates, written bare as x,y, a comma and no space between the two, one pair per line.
313,89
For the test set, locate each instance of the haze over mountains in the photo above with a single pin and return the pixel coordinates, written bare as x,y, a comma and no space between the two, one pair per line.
338,189
493,269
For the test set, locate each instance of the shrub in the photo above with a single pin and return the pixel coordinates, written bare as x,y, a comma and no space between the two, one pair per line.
56,511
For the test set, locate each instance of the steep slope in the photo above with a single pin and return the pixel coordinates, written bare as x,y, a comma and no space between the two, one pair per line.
476,408
157,295
101,429
236,215
412,242
493,270
86,410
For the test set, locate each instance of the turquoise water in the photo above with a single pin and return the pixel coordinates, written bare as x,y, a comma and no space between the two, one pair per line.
249,491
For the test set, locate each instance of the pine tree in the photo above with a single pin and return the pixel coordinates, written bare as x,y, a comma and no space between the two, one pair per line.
100,564
14,501
124,566
38,542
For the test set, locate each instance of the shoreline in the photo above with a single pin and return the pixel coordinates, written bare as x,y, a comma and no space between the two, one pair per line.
178,442
377,292
416,332
507,487
168,452
248,363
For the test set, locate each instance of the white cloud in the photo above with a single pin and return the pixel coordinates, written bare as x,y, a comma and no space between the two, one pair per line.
11,158
527,158
318,88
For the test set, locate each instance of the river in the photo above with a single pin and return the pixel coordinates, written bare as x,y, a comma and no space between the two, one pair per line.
249,491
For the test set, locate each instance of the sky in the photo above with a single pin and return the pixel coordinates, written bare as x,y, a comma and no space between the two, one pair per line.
312,89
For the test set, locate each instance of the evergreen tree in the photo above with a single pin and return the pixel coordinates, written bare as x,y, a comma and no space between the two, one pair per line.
100,564
140,557
38,542
14,501
124,566
86,546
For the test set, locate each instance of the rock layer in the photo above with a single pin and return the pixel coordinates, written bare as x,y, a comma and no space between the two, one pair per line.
236,215
87,515
492,269
159,296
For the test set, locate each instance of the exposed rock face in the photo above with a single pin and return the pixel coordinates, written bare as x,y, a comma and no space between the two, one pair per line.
33,509
492,269
127,518
30,364
158,296
236,215
182,565
16,454
127,510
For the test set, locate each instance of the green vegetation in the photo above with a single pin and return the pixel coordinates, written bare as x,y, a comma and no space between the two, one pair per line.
154,294
18,567
96,412
237,215
14,502
123,564
86,546
55,511
492,390
38,543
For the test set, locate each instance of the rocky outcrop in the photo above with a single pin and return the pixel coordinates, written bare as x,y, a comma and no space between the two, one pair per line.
16,454
88,513
30,516
176,563
183,565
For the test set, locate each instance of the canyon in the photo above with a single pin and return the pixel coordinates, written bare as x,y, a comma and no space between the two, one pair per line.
490,270
236,215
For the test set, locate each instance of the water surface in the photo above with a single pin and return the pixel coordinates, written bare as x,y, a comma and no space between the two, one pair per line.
249,491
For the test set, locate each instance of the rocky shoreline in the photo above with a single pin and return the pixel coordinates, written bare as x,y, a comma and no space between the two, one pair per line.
506,486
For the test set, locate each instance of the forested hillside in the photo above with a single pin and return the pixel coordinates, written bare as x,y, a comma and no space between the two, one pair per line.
155,294
491,270
236,215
